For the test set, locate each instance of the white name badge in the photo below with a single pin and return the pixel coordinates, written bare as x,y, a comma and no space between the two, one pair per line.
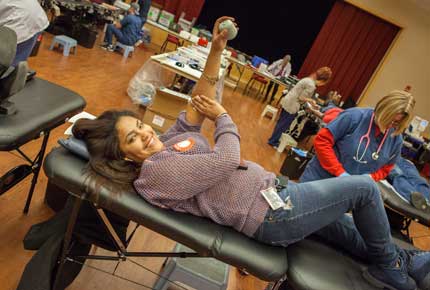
273,199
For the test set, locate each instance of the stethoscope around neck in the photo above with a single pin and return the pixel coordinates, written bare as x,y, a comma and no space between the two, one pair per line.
375,155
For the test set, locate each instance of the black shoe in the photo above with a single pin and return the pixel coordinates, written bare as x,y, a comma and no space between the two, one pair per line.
419,201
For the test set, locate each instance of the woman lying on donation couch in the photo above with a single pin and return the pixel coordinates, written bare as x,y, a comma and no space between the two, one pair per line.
180,171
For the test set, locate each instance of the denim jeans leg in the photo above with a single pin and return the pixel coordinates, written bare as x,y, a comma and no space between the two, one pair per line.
318,204
284,122
108,34
344,234
112,30
23,50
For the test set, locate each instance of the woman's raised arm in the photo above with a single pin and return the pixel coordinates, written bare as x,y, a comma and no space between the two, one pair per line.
206,84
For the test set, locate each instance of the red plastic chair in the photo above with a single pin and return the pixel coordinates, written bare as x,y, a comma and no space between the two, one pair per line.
256,78
172,39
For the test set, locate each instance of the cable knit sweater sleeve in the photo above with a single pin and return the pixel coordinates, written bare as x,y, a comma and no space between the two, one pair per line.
181,126
183,175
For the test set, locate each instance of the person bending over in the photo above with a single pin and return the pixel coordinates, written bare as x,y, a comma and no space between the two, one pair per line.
28,20
180,171
127,31
362,140
300,93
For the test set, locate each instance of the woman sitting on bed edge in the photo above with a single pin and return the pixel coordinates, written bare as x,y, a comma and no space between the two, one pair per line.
180,171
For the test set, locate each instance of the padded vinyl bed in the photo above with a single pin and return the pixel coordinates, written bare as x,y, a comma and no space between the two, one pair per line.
41,106
307,265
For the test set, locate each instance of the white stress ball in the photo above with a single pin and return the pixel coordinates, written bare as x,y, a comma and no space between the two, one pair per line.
231,28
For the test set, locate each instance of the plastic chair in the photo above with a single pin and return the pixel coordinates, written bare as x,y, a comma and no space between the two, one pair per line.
66,42
172,39
255,78
286,140
199,273
126,48
270,109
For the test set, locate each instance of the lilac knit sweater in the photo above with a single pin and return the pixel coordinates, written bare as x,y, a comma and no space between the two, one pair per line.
205,181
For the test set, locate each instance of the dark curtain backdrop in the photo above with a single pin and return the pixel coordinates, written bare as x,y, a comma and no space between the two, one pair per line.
271,29
352,42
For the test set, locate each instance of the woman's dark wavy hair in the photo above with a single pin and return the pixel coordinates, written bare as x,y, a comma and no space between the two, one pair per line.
106,159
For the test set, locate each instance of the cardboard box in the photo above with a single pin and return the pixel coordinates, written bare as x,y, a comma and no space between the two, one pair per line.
165,108
169,103
158,121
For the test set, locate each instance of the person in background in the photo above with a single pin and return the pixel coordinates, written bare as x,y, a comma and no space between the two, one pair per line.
28,20
300,93
408,182
127,31
362,140
330,110
332,99
280,69
144,9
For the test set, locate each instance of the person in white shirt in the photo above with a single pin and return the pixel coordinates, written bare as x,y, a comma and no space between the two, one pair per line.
280,69
28,20
300,93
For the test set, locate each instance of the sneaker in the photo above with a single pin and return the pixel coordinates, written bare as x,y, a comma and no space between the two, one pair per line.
419,201
108,47
419,267
392,278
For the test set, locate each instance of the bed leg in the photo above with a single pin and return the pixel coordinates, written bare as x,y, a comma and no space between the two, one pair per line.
275,285
67,238
37,164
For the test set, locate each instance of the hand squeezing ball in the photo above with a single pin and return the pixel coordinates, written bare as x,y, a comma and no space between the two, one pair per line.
231,28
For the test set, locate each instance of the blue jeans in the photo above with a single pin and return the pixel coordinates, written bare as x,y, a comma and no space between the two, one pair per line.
284,122
23,50
112,30
319,207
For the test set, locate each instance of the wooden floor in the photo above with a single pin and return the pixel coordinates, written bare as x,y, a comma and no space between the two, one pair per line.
101,78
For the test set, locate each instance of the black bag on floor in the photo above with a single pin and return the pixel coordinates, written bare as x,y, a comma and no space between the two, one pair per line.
295,163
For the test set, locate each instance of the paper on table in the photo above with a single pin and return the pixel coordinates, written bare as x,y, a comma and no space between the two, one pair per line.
82,115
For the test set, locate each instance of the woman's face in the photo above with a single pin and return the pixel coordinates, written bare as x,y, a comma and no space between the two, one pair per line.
397,119
137,141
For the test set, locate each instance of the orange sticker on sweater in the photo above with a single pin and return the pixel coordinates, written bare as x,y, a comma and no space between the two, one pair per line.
184,145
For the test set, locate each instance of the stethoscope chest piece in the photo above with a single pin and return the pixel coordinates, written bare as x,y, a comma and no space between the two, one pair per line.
366,138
